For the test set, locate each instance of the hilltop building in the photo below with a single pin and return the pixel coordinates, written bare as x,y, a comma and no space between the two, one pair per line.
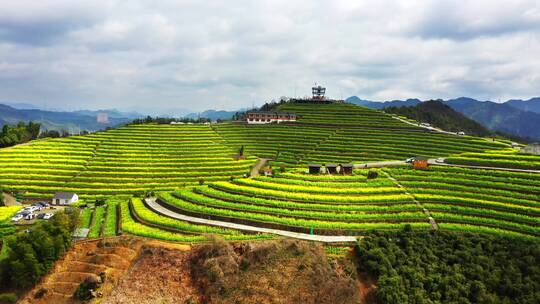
318,93
262,117
103,118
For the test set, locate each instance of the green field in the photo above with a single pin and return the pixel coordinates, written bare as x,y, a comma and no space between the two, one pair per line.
193,169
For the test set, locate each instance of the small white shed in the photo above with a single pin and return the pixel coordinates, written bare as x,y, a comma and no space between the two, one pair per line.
64,198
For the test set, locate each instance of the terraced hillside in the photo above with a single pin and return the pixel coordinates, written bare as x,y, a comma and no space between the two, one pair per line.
194,170
476,200
129,160
498,158
342,114
458,199
327,205
345,133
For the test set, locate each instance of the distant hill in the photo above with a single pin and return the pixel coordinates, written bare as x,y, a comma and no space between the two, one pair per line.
499,116
214,114
69,121
438,114
531,105
384,104
519,118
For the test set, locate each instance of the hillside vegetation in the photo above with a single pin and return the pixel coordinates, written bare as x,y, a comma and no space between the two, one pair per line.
195,170
442,116
151,157
429,267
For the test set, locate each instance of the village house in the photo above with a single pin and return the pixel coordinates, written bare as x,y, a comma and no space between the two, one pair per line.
64,198
262,117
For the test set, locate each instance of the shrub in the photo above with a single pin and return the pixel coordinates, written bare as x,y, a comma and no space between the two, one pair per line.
372,174
8,298
201,181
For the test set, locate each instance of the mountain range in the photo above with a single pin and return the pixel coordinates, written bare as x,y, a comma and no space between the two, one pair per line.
69,121
515,117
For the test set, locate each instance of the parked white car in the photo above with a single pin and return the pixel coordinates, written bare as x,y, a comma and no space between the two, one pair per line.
17,217
439,160
48,216
30,208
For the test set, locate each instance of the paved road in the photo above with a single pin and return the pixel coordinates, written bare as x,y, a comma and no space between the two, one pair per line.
303,236
424,127
433,162
380,164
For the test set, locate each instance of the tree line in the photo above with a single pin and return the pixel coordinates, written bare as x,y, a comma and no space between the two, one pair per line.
19,133
32,253
22,132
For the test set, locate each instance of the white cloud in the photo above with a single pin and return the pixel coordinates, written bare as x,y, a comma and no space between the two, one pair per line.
198,55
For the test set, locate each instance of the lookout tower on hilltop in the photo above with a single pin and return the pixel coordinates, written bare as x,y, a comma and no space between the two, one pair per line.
318,92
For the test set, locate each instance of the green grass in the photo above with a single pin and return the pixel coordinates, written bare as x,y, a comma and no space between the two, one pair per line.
97,221
85,218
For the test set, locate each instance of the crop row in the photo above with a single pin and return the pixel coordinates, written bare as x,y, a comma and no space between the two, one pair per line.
308,197
282,220
197,199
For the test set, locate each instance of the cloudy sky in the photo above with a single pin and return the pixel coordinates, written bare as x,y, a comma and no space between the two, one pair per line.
230,54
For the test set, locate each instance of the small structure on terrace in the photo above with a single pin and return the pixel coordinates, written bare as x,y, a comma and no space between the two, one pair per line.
420,163
347,169
331,168
314,168
263,117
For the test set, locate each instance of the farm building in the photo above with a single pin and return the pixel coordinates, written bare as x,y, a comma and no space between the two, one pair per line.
532,149
331,168
314,169
64,198
420,163
346,169
262,117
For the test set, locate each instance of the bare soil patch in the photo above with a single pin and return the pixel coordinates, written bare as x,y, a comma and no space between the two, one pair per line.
160,275
86,259
285,271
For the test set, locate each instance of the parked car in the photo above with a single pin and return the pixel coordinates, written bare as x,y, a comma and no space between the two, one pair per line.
48,216
409,160
30,208
439,160
461,133
24,212
30,216
41,216
37,206
17,217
